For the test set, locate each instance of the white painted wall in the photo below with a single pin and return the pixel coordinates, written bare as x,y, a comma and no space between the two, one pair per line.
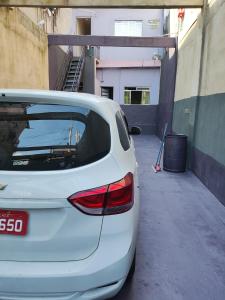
190,17
119,78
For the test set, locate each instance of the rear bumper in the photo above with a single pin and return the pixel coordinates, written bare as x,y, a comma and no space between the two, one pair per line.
98,293
64,282
98,277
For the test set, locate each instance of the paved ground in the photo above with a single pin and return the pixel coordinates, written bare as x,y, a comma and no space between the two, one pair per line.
181,245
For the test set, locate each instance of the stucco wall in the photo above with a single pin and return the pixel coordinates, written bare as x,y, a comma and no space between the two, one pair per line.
58,64
189,54
102,23
202,117
187,80
61,22
120,78
24,52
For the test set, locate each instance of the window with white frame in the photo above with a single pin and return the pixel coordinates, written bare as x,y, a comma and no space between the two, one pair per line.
136,95
128,28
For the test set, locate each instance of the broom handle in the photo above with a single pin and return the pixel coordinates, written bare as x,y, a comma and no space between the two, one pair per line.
162,144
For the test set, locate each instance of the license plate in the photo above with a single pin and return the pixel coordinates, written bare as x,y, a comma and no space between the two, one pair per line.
13,222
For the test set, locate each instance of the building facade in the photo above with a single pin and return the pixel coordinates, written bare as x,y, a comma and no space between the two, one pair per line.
127,75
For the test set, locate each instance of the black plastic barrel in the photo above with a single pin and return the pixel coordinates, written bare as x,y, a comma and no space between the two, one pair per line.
175,153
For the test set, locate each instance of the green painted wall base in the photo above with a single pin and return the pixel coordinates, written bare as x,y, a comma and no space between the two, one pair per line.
209,136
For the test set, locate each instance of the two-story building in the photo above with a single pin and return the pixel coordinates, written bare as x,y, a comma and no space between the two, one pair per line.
127,75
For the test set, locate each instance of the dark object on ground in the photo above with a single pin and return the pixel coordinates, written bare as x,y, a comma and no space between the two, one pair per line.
175,153
135,130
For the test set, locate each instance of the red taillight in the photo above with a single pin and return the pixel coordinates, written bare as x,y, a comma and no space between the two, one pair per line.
120,196
114,198
90,201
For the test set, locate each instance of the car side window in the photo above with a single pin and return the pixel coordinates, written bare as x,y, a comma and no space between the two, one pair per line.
126,123
122,130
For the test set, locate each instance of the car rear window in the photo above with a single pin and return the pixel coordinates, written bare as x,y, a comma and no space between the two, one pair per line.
38,137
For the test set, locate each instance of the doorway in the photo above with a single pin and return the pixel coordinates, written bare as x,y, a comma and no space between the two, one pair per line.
83,27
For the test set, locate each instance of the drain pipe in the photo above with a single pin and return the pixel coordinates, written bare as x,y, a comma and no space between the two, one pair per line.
196,116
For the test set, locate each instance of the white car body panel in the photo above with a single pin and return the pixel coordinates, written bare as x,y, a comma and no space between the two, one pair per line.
92,260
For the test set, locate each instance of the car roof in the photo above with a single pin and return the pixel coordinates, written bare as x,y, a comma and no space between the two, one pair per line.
49,94
59,97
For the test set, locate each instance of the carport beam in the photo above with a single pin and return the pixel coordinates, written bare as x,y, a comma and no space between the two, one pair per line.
111,41
104,4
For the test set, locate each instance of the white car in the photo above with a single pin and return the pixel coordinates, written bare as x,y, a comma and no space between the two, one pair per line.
69,200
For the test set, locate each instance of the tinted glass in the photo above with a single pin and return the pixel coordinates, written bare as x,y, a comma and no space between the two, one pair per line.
124,138
50,137
125,122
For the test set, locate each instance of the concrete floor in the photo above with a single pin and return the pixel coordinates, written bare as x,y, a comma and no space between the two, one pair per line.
181,244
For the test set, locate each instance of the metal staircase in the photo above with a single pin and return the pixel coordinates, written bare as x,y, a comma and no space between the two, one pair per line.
74,73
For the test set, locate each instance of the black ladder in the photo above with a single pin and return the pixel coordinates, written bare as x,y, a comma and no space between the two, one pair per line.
74,73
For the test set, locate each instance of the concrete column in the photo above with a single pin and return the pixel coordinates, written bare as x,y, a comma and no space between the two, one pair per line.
89,74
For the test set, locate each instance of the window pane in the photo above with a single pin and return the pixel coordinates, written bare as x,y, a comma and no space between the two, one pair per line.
38,137
136,95
127,97
128,28
122,130
145,97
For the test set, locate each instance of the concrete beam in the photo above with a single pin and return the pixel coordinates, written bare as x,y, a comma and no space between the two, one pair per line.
102,64
104,3
111,41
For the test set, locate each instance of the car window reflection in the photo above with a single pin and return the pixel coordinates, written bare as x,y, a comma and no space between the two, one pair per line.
46,137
